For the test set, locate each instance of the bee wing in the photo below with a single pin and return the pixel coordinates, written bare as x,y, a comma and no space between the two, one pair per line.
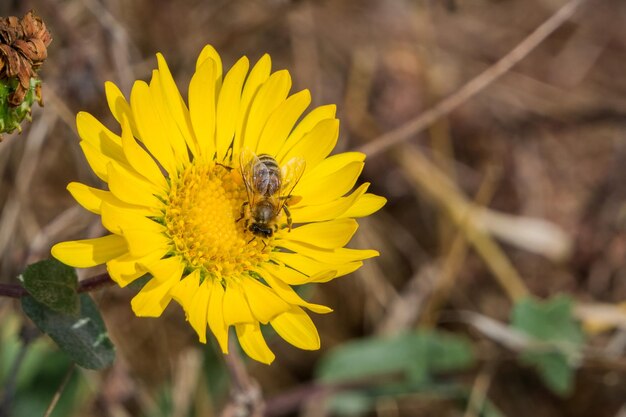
247,162
290,174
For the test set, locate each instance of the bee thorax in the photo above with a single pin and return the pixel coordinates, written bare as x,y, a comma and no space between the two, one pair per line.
264,212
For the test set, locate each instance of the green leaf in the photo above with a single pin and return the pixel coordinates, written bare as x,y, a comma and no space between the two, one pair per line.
83,338
554,369
53,284
447,352
362,401
552,323
416,356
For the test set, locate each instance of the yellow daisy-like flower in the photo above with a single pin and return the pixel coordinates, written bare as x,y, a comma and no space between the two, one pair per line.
176,196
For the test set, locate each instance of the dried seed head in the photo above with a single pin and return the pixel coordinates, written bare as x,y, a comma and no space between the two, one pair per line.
23,48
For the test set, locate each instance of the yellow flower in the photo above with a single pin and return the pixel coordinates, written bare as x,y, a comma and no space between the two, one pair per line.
175,196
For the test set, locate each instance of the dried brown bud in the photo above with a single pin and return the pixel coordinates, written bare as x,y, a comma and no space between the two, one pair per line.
23,48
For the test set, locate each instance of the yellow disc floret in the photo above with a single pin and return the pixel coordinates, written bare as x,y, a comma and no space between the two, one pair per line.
201,216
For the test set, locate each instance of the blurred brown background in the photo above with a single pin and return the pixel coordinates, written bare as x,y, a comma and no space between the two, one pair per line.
543,148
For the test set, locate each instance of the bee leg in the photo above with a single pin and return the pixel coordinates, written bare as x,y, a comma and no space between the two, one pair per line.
289,221
242,213
226,167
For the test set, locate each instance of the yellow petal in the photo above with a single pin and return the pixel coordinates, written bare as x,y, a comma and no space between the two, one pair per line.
333,234
297,328
327,211
168,124
157,293
301,263
89,252
119,106
228,106
131,188
185,289
198,309
126,268
140,243
164,269
317,271
292,277
287,293
340,270
208,52
306,125
281,121
258,75
124,279
96,160
264,303
215,317
315,145
153,298
174,102
117,220
270,95
335,163
93,198
151,131
366,205
88,197
236,309
139,159
320,190
330,256
96,134
252,342
202,99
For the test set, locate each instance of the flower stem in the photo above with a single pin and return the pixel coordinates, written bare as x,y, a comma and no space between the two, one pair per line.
246,398
87,285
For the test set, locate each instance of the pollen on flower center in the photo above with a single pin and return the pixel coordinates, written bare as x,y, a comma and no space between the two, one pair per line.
201,216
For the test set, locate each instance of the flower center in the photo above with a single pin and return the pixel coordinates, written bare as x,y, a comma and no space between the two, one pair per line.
201,216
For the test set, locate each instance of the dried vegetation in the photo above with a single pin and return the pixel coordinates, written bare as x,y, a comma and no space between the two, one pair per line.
521,189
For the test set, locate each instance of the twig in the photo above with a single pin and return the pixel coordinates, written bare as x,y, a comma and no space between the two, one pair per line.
455,257
60,107
474,86
246,398
87,285
290,401
59,391
12,291
95,283
476,402
433,183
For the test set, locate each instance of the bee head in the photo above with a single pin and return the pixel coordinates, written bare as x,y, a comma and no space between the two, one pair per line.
261,230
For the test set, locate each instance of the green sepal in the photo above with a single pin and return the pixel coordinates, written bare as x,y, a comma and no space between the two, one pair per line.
11,117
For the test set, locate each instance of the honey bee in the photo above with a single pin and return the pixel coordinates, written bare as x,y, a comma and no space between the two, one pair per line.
269,187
